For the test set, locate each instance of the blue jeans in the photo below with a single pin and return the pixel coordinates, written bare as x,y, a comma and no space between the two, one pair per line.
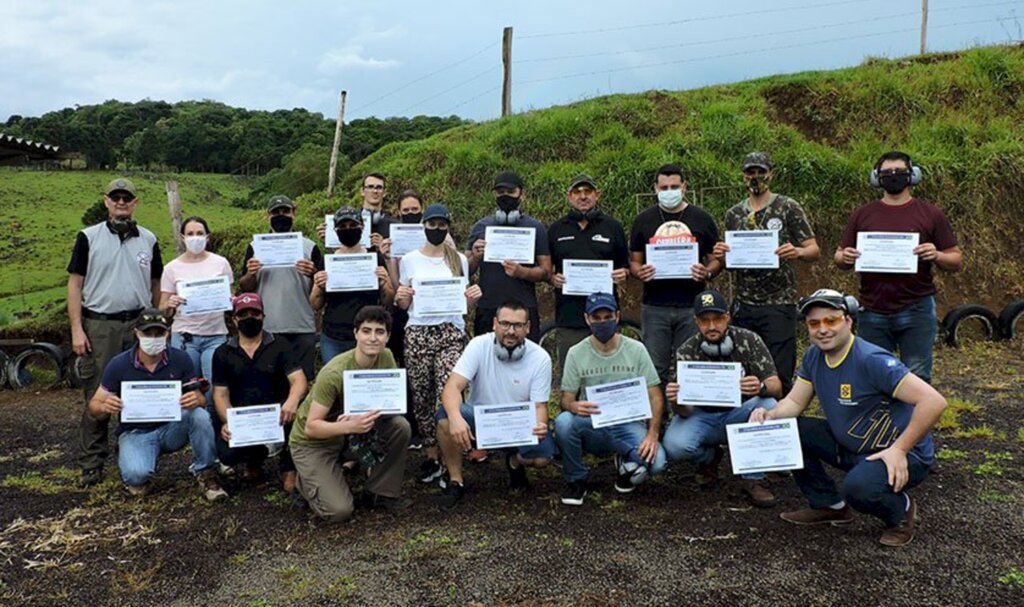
665,329
330,347
545,449
200,349
866,486
695,438
911,331
576,435
138,450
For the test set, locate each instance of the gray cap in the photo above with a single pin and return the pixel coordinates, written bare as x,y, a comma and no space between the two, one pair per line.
757,160
280,201
120,185
582,179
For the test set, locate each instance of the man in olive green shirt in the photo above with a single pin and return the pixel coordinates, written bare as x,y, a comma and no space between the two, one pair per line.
321,431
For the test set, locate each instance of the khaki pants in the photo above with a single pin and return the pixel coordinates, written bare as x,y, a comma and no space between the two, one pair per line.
321,480
108,338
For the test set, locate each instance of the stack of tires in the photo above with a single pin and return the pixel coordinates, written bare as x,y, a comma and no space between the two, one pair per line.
975,322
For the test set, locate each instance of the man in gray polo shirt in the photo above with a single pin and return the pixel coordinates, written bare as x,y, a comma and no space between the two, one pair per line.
285,290
114,273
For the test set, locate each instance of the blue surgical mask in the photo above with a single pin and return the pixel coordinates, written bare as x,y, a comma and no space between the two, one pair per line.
670,199
604,331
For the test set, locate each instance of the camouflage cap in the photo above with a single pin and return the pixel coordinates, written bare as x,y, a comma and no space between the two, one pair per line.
757,160
280,201
120,185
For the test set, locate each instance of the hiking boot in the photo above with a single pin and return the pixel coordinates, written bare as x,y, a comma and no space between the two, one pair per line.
819,516
91,476
210,485
452,495
707,474
288,481
138,490
629,474
374,501
759,495
225,470
901,535
574,493
430,471
516,475
478,456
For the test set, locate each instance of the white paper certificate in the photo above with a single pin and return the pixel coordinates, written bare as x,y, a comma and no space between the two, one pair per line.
586,276
709,384
406,238
351,272
151,401
752,249
512,244
331,236
499,426
773,445
365,239
205,295
374,390
275,250
890,252
256,425
672,259
620,402
440,296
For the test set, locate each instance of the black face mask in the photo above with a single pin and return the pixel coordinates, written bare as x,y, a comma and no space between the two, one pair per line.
250,327
894,184
507,203
349,236
435,236
281,223
412,217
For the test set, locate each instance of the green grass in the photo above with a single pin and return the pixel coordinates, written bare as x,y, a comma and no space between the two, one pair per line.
952,454
1020,435
982,431
1013,577
950,419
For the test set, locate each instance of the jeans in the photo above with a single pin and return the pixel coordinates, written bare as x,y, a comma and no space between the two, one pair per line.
200,349
776,325
695,438
330,347
576,435
866,486
665,329
911,331
545,449
139,449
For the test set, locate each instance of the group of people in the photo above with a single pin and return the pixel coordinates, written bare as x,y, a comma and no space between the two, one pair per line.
127,325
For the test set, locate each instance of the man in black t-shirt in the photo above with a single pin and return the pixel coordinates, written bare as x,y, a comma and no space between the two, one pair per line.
668,302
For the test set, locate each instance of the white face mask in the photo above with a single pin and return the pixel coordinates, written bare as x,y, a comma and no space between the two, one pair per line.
195,244
154,346
670,199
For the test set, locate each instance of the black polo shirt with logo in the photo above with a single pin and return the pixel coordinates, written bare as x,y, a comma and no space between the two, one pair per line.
260,380
601,239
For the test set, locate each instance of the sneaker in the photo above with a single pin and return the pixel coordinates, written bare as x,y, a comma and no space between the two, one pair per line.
758,494
210,485
707,474
91,476
288,481
415,442
225,470
477,456
430,471
516,476
574,493
819,516
452,495
138,490
630,474
903,534
372,501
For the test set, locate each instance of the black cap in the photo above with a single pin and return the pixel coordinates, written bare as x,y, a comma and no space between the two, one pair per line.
437,211
582,179
709,301
507,179
151,318
347,214
824,297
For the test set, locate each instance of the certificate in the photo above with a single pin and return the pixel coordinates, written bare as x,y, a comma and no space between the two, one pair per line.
709,384
499,426
440,296
205,295
256,425
151,401
275,250
351,272
512,244
584,276
620,402
889,252
374,390
406,238
752,249
331,235
771,446
672,259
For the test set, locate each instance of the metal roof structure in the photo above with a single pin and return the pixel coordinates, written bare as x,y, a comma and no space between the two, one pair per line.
17,150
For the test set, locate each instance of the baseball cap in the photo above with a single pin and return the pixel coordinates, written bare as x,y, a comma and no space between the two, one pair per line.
599,300
347,214
507,179
709,301
824,297
120,184
759,160
152,318
280,201
437,211
582,179
247,301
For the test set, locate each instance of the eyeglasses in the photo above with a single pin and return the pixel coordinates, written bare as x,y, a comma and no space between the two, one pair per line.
121,197
376,188
830,322
507,324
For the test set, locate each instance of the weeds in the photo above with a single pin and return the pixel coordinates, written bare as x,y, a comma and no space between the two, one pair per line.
342,587
951,454
983,431
992,466
950,419
1013,577
996,497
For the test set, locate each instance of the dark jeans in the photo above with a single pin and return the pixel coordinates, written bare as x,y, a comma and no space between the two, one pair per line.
254,455
911,331
108,338
665,329
866,486
303,347
776,325
483,322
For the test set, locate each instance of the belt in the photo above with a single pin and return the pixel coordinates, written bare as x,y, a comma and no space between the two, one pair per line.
121,316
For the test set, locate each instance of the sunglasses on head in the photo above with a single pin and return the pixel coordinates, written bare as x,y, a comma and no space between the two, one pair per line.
829,322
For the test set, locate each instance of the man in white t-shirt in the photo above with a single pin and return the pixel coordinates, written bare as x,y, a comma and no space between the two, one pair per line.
499,368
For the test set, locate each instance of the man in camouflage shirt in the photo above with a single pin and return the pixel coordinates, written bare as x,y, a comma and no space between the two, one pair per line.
697,433
765,300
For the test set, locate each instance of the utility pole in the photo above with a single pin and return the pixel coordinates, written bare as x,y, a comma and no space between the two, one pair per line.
506,60
924,25
337,144
174,206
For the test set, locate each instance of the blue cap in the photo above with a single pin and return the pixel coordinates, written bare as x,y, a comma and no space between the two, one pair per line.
597,301
709,301
437,211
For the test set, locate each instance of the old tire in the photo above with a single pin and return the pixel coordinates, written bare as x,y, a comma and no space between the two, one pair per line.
37,367
1011,315
964,316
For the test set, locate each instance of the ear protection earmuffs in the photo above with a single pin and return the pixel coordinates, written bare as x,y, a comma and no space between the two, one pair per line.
577,215
508,218
508,355
375,216
847,303
719,350
915,174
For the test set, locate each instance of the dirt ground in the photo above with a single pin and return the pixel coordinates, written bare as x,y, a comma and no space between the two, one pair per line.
667,544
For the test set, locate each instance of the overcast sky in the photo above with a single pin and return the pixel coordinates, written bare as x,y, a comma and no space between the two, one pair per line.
272,55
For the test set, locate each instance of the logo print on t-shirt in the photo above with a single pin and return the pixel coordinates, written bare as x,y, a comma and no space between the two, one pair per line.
673,231
144,259
774,224
845,391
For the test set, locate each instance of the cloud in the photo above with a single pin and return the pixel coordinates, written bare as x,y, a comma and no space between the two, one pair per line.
350,57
